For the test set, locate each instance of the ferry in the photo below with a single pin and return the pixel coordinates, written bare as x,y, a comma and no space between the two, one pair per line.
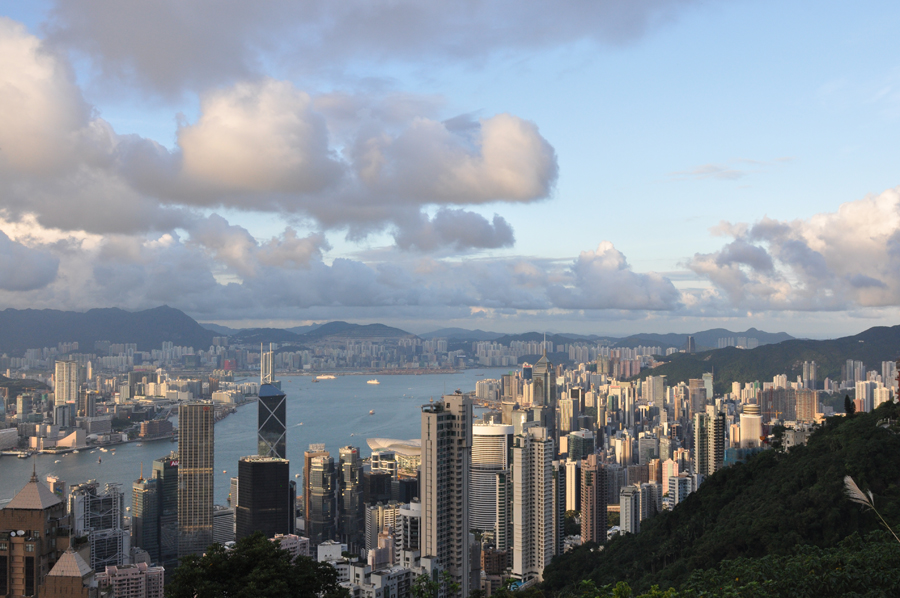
371,412
323,377
24,454
373,381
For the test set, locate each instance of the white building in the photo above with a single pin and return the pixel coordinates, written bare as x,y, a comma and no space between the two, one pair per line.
533,503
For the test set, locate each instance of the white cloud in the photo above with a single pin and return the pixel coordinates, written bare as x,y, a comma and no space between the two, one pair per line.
23,268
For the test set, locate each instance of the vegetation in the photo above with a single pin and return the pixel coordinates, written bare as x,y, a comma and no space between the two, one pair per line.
255,567
775,506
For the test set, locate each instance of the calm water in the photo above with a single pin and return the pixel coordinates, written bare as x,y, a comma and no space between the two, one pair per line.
333,412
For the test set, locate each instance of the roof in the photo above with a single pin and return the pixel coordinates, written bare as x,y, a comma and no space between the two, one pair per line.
34,496
269,390
70,564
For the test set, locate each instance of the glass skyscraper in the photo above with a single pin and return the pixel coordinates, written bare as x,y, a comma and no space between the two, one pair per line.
195,477
272,432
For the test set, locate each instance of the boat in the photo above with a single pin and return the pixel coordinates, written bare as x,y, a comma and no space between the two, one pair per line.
24,454
296,475
99,460
323,377
373,381
57,461
139,444
371,412
103,450
75,452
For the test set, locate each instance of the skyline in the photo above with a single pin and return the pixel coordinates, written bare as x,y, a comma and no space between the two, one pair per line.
668,167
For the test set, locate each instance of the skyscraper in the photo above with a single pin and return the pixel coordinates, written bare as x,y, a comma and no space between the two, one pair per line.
266,501
630,509
99,516
266,365
709,441
165,471
352,523
593,500
320,525
445,469
491,445
581,444
534,513
271,432
314,450
66,379
145,515
195,477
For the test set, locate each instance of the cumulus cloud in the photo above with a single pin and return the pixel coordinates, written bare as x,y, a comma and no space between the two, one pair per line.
23,268
604,280
168,46
341,161
840,260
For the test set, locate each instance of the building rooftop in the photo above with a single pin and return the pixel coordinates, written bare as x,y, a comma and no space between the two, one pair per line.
34,496
70,564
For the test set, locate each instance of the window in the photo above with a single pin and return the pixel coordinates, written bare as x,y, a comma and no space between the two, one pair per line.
29,548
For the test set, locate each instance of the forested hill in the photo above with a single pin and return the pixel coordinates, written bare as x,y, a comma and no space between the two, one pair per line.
871,347
769,506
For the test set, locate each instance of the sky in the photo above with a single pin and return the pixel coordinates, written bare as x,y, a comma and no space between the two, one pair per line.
595,166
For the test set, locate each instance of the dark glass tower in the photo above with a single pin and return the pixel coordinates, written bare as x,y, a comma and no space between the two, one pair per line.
165,471
352,523
265,497
272,432
320,525
145,515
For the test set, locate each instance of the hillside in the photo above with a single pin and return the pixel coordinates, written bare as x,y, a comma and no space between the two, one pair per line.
871,347
256,336
771,505
345,330
705,339
33,328
462,334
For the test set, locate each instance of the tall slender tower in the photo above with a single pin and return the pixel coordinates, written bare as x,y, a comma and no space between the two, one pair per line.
165,471
352,524
195,477
266,365
314,450
145,515
444,492
491,444
66,382
534,509
321,523
593,500
271,433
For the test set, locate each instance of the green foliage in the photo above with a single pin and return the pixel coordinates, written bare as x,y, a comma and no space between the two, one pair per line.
612,518
571,526
849,406
425,587
255,567
769,506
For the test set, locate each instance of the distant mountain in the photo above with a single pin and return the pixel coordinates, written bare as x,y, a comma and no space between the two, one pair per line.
707,339
871,347
220,330
35,328
462,334
255,336
304,329
556,339
347,330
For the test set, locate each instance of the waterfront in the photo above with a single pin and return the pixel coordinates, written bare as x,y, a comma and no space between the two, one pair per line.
333,412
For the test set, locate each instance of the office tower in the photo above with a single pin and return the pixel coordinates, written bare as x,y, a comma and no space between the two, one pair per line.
351,527
98,515
865,393
534,515
196,439
314,450
697,396
810,373
690,345
648,449
66,382
708,385
490,455
165,470
568,411
265,501
26,559
272,431
656,392
630,509
709,441
594,494
376,487
145,515
444,490
581,444
651,499
266,366
322,501
543,381
679,487
23,406
224,525
889,373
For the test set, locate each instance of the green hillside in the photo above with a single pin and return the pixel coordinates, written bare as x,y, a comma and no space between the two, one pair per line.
772,505
871,347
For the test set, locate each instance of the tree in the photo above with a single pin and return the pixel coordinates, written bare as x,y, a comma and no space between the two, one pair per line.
255,567
849,406
426,587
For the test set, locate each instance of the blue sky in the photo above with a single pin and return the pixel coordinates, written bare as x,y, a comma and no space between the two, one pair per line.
627,135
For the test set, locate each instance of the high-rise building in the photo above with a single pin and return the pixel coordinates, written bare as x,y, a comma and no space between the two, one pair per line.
321,522
165,471
196,439
690,345
534,512
630,509
581,444
593,500
351,527
444,490
314,450
265,497
543,382
266,366
709,441
697,396
679,487
99,516
145,515
271,432
491,445
26,558
66,382
810,375
132,581
656,392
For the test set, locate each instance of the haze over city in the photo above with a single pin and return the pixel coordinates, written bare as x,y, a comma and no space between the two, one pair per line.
601,167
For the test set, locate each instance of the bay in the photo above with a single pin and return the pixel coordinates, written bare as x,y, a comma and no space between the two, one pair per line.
332,412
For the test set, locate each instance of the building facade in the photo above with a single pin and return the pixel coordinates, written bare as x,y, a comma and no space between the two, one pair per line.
196,438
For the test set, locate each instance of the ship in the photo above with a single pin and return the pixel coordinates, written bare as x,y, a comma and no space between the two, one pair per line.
323,377
371,412
373,381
